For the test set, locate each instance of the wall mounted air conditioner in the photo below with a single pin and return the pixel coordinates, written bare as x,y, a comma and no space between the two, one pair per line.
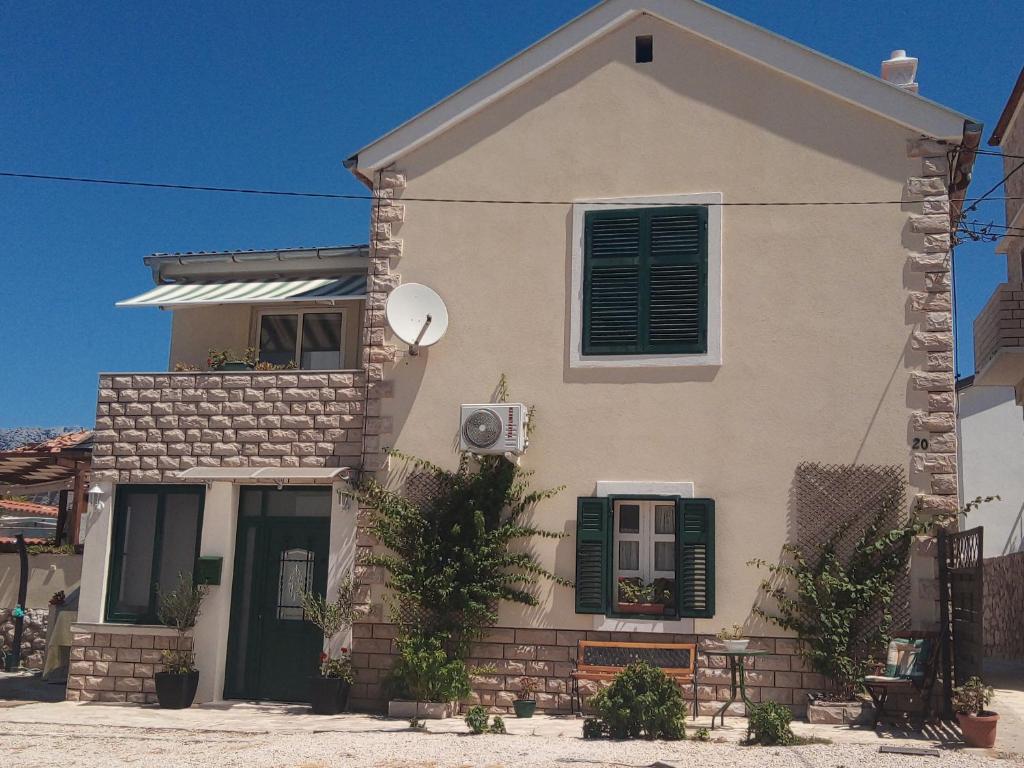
493,428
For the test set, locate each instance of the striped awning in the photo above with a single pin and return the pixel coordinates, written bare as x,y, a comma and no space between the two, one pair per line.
251,292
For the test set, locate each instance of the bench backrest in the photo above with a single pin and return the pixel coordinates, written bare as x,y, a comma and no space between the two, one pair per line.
603,656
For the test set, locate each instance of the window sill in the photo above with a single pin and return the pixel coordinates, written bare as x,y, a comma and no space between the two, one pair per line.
706,360
633,623
117,628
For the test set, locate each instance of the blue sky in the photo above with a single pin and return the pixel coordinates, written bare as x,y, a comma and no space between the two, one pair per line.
275,95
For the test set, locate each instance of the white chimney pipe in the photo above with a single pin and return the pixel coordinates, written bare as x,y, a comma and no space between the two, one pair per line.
900,69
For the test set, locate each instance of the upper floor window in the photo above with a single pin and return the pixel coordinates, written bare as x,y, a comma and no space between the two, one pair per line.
155,540
311,339
645,284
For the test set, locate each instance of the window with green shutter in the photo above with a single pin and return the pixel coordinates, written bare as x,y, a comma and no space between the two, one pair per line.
645,283
652,556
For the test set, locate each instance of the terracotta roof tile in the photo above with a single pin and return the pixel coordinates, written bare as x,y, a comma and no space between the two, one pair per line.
28,508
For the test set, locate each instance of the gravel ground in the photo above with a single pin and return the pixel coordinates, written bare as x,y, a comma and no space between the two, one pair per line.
28,746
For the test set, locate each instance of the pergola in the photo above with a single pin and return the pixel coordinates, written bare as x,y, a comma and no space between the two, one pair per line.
59,464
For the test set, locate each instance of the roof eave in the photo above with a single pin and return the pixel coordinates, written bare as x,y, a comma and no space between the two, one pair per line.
1013,104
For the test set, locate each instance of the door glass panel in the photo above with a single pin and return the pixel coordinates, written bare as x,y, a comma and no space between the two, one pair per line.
299,502
243,592
629,555
180,533
629,518
665,518
137,553
664,556
321,341
296,577
277,338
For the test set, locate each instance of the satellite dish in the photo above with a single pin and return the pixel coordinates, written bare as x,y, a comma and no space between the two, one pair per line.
416,315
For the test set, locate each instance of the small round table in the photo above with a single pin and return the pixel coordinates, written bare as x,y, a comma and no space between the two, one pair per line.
738,682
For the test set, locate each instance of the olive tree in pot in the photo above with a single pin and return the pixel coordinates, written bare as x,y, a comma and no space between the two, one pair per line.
977,723
526,702
330,688
179,608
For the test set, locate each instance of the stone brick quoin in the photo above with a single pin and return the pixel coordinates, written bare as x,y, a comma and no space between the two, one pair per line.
508,654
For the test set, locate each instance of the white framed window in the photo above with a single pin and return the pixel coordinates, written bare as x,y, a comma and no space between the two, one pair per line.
311,339
644,546
625,356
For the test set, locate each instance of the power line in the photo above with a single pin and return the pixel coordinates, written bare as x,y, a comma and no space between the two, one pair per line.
338,196
974,204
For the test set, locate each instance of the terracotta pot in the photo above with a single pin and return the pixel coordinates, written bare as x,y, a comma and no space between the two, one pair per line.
648,608
979,730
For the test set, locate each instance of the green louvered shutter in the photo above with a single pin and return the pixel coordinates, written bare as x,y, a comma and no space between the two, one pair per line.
645,281
695,557
593,554
677,281
611,282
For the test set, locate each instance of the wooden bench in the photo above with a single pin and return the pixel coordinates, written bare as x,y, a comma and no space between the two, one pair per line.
879,687
601,660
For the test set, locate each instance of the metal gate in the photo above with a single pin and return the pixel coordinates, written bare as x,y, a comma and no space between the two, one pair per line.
961,590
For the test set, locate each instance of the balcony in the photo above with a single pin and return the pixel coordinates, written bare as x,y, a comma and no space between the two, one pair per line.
999,338
149,426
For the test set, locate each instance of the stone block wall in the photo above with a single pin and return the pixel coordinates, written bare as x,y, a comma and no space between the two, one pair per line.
117,666
548,655
1000,324
149,426
33,635
1004,607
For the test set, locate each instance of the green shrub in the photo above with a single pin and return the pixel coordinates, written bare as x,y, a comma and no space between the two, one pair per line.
498,726
702,734
768,725
425,671
476,719
593,729
641,701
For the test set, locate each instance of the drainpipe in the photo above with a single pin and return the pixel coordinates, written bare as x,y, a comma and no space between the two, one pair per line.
14,660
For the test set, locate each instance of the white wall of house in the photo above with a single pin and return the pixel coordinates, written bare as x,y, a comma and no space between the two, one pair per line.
991,462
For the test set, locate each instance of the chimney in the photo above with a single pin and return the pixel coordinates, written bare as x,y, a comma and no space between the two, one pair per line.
900,69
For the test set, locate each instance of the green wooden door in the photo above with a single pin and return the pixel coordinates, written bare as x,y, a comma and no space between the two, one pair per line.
279,551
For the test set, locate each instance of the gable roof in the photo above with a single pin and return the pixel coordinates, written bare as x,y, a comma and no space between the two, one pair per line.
742,37
1015,100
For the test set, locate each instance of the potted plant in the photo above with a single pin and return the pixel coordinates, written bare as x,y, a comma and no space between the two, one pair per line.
732,638
179,608
526,702
977,723
635,596
231,360
427,681
329,689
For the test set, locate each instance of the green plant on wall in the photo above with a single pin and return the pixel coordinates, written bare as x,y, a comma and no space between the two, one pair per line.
840,605
452,559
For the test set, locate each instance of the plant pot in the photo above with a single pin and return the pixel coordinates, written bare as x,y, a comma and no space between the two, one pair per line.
176,691
524,708
979,730
734,646
824,712
424,710
328,695
648,608
234,365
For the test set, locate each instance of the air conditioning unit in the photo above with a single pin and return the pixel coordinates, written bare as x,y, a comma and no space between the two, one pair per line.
493,428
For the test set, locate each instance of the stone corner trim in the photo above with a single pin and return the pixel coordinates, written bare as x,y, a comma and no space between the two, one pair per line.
935,464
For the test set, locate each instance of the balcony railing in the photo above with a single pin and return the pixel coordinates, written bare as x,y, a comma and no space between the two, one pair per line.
999,337
151,425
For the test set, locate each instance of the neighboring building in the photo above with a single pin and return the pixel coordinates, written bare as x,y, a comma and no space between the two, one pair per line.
991,463
682,355
999,327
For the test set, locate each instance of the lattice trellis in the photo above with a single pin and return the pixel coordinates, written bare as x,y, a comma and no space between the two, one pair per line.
843,498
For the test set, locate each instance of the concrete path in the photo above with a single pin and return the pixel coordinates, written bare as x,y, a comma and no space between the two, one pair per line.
1007,678
17,688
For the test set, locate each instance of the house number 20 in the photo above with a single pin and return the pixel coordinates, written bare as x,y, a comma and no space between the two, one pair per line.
919,444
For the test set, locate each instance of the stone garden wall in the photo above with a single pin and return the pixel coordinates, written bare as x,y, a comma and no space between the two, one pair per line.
1004,607
33,636
548,654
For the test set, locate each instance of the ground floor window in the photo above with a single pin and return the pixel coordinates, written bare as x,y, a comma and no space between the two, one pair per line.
156,535
650,556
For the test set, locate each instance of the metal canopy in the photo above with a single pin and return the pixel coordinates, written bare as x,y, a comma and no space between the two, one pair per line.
345,288
264,474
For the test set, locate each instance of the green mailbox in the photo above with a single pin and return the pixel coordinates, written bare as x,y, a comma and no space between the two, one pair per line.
208,570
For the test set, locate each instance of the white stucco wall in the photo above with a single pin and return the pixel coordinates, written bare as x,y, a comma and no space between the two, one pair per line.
991,463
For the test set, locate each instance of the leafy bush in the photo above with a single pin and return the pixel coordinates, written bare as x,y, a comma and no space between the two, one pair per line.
426,672
702,734
594,729
972,697
179,608
768,725
477,718
641,701
498,726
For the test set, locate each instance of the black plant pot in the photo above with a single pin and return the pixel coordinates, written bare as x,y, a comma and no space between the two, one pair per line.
176,691
328,695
